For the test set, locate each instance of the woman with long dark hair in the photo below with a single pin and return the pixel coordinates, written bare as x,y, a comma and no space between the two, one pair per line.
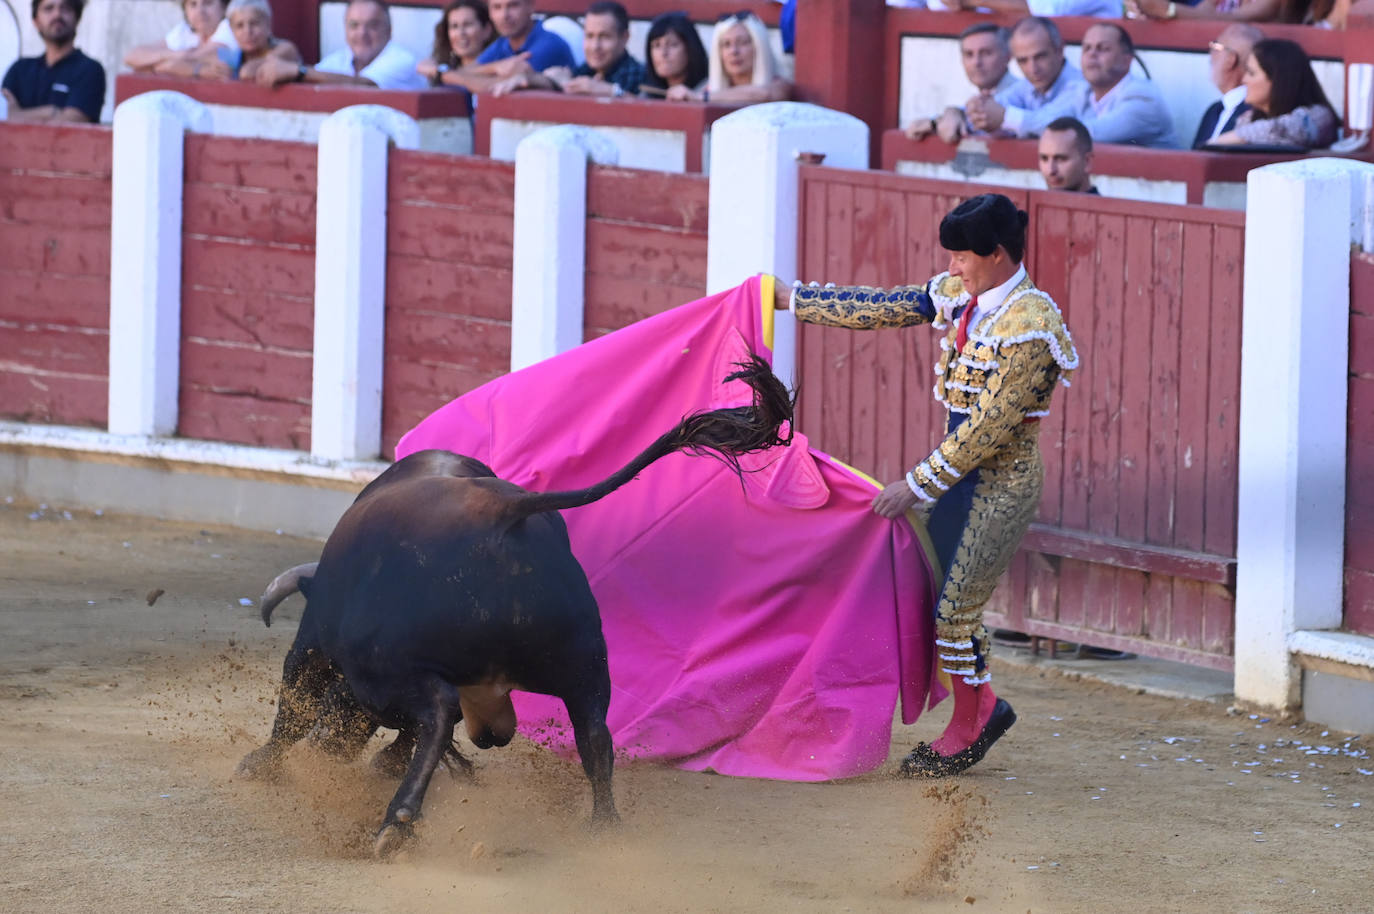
460,36
674,54
1287,105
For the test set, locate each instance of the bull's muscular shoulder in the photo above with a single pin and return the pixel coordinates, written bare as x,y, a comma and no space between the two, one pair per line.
428,463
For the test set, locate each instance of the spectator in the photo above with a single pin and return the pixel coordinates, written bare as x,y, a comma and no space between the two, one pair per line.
461,35
203,30
1227,55
985,53
675,55
609,70
1105,9
1066,156
251,23
61,84
1115,105
1038,49
369,57
1232,10
741,69
524,47
1287,104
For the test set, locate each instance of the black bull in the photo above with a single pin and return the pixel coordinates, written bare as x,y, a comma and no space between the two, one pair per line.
443,587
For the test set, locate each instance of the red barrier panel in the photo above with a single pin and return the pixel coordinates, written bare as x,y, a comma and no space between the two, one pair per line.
247,291
1359,479
55,272
450,224
646,245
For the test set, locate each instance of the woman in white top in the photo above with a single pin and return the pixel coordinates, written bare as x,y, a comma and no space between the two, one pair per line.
201,33
743,69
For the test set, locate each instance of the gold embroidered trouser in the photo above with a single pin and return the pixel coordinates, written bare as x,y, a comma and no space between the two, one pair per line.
1004,499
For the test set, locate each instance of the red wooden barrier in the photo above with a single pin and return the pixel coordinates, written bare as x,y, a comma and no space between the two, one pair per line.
1135,542
248,287
450,222
55,273
1359,480
646,245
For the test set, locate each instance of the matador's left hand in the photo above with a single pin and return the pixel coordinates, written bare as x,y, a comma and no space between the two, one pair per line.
894,500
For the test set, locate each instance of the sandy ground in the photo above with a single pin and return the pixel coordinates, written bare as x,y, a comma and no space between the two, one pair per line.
121,724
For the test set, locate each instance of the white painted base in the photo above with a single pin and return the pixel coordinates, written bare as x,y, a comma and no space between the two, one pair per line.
652,150
440,134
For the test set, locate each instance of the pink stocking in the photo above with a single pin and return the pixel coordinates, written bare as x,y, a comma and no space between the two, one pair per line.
972,708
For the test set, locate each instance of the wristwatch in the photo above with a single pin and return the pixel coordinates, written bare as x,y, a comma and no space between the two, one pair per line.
616,90
441,68
300,73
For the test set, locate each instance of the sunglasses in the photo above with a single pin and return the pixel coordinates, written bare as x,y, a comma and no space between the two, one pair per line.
1220,48
739,16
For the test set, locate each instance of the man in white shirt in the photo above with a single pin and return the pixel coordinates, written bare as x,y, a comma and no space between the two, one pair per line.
1114,104
1227,54
370,57
1038,49
1105,9
985,55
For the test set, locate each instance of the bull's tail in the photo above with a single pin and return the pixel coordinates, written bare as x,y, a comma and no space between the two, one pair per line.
724,434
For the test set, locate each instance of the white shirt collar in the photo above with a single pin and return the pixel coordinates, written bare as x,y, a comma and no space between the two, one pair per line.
993,298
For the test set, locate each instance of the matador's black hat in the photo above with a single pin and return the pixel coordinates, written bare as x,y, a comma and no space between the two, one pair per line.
981,223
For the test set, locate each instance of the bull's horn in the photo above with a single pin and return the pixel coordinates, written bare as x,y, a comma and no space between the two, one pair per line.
283,586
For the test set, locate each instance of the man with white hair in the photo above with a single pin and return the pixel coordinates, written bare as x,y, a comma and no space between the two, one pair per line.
369,58
1227,54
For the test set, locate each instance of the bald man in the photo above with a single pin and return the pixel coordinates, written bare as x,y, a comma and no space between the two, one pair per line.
1227,54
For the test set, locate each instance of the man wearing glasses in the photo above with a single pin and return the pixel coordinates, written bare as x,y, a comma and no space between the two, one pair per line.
1227,54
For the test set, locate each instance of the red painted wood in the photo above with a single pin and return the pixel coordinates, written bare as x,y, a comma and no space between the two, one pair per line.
613,302
456,288
1120,553
450,235
465,182
50,249
1223,390
414,390
271,320
645,252
69,149
247,371
1359,601
214,210
241,162
1185,619
648,198
1190,505
1075,403
836,40
248,269
1134,421
1165,302
309,97
45,397
57,201
54,298
218,416
45,347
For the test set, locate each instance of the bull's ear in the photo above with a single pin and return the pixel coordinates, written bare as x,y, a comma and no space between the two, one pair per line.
305,584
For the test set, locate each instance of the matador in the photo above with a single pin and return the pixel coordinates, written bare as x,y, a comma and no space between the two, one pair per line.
1003,350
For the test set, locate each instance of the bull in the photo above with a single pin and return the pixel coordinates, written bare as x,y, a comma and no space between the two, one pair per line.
442,588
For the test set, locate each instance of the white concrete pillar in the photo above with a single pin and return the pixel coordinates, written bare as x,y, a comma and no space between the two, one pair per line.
551,239
145,259
1294,365
350,278
752,227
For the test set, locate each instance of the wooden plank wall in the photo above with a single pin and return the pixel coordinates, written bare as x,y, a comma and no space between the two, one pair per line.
450,223
1139,453
55,273
1359,481
248,286
646,245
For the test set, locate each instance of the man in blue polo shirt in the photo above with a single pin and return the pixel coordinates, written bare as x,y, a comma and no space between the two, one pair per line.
524,46
61,84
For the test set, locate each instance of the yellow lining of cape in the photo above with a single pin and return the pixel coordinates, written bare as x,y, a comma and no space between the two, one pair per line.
766,281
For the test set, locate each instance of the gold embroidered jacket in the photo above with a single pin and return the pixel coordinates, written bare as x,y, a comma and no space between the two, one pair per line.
1004,375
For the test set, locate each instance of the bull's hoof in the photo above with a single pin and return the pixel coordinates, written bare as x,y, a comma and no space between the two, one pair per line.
260,765
391,839
603,821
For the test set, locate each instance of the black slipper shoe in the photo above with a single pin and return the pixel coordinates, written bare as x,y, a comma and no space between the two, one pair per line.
925,762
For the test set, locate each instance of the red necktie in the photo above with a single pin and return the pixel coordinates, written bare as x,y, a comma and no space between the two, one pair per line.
961,337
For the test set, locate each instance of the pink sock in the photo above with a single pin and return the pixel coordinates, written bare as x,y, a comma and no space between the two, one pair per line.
972,709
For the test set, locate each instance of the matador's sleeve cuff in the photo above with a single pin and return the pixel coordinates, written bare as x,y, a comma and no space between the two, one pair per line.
933,477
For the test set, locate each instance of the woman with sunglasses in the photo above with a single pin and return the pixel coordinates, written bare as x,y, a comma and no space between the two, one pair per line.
1287,105
742,68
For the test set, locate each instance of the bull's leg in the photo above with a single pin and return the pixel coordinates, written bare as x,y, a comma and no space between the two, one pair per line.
304,680
434,737
344,726
587,711
393,760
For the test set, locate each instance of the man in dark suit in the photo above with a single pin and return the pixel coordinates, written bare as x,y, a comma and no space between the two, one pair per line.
1228,53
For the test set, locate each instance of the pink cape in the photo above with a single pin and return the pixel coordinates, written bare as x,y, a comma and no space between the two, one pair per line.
763,630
